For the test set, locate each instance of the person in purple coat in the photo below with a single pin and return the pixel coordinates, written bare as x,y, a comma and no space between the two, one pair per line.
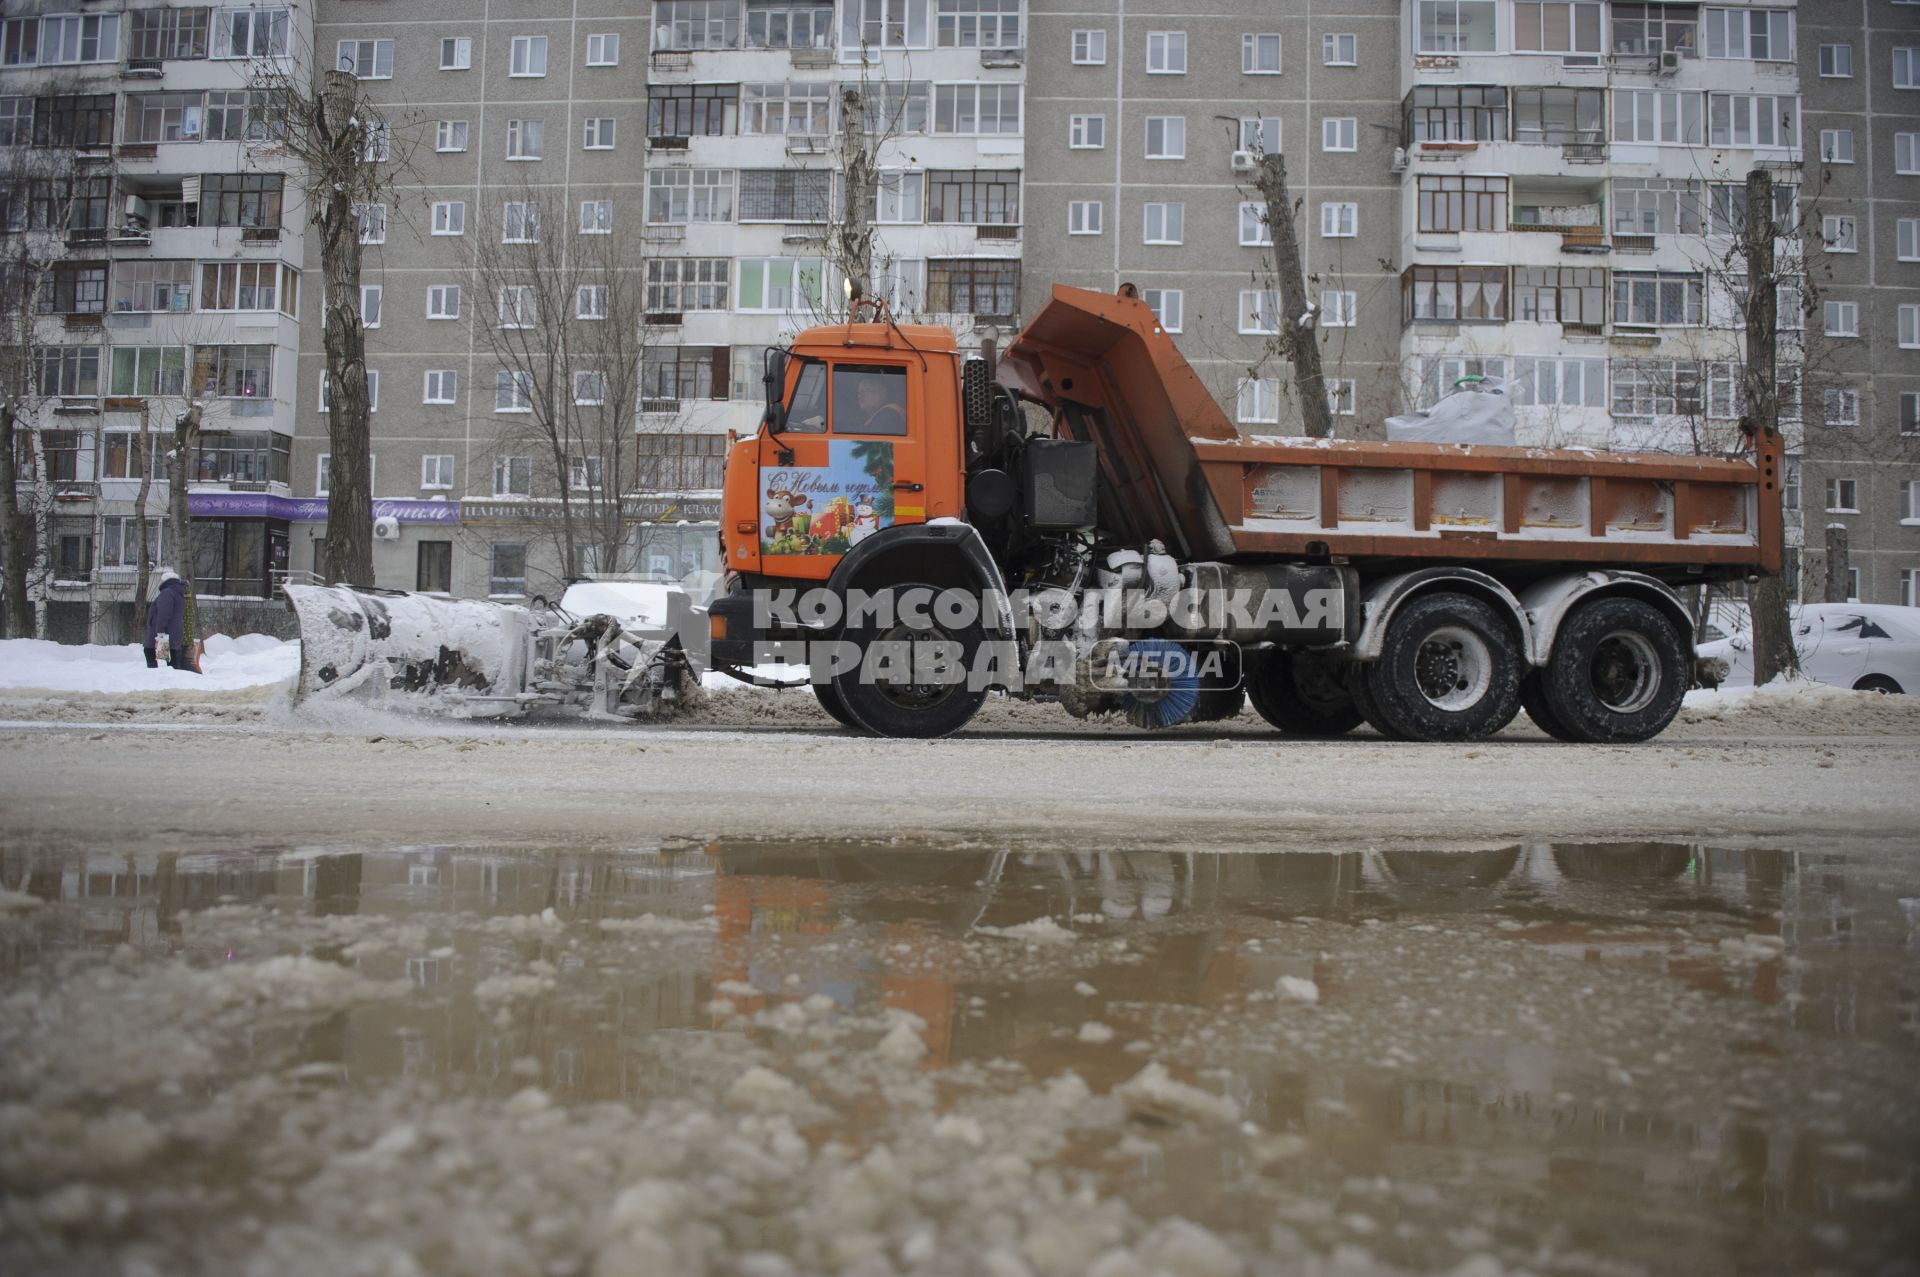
167,615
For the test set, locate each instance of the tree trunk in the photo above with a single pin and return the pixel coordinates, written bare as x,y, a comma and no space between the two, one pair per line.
1299,339
1773,653
143,462
856,228
1838,563
347,552
16,535
186,439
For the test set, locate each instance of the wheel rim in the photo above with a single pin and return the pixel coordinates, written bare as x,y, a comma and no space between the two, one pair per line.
909,695
1625,672
1453,668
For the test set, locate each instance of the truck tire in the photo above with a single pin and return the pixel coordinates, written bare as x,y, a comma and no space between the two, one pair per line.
1217,704
904,709
1533,695
1302,694
1369,711
829,698
1618,672
1449,670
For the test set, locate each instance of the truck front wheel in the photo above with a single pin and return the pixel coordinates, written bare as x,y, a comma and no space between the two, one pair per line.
1302,694
912,679
1449,670
1618,672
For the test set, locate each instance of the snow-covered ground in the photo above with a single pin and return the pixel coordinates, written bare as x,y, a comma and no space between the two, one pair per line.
230,664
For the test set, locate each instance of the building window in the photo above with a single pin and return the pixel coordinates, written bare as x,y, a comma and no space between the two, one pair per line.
528,56
1260,54
1086,132
986,288
373,222
1840,408
1166,53
1648,30
1646,388
1836,146
1166,137
370,305
1544,382
1906,153
526,139
433,567
1451,203
157,35
691,110
62,40
1662,206
373,392
676,285
442,385
1339,309
1166,305
366,59
603,50
900,198
1456,26
120,539
1339,221
1843,496
1341,392
241,199
598,134
1909,326
70,372
513,476
153,287
790,110
147,371
1658,117
696,24
596,217
1339,50
1339,134
1557,26
590,301
671,375
1842,319
1909,587
1836,61
507,568
251,33
894,107
235,372
450,217
1764,35
450,135
590,390
517,306
974,198
978,24
512,391
1083,217
1752,119
76,288
1259,311
1443,113
520,223
1259,400
789,24
1658,300
1260,135
981,109
1254,232
680,196
1909,239
1455,293
443,301
785,195
779,285
1906,68
1910,412
1165,223
1559,294
1089,48
456,53
1840,234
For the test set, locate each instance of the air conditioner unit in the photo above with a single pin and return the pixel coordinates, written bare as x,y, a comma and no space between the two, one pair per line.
136,207
1399,164
386,528
1669,62
1243,161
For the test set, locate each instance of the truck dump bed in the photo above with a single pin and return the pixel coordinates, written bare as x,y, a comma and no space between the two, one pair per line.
1174,468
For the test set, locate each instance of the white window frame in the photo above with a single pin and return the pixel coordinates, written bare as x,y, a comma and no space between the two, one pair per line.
956,92
1172,219
372,297
449,217
456,53
1331,49
1840,407
1843,496
1342,393
1089,47
1846,313
439,386
1166,48
1257,401
373,223
1338,308
516,306
589,389
1084,217
342,57
1168,306
1254,231
1908,322
1906,67
1906,154
519,397
1836,146
596,217
373,393
1173,137
1258,305
597,133
1253,134
900,197
1907,240
524,133
590,302
436,468
1836,61
1335,127
529,218
443,301
1339,219
1086,132
603,49
1839,234
1252,53
450,137
527,57
1730,31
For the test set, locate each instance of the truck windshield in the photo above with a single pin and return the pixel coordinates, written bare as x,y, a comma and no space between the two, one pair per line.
869,400
808,412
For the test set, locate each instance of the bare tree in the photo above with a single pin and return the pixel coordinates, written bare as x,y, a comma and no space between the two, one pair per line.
1773,653
1299,334
563,311
143,462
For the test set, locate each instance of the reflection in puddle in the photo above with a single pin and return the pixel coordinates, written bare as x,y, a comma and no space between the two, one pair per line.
1571,1055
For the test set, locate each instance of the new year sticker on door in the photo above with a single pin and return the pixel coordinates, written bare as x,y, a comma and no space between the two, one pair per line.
828,509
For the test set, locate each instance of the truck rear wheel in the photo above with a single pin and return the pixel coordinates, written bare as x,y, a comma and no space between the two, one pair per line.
1302,694
1618,672
918,686
1533,695
829,698
1449,670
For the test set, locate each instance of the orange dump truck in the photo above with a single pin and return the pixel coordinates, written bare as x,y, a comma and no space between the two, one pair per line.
1077,520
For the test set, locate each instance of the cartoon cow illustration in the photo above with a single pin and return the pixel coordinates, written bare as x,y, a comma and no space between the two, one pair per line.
782,505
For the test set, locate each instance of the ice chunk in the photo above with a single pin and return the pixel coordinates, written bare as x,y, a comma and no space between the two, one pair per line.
1095,1032
1039,931
1300,990
1153,1094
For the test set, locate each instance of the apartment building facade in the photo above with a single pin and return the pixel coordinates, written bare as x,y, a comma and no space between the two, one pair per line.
1146,124
1860,74
143,204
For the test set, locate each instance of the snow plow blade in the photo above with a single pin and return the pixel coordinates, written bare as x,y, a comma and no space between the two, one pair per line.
374,642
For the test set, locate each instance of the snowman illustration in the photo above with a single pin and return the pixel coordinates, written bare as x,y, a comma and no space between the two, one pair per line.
866,521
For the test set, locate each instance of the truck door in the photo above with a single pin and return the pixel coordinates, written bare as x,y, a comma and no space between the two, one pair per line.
856,466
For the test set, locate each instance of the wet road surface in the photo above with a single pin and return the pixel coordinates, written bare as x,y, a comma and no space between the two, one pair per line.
763,1057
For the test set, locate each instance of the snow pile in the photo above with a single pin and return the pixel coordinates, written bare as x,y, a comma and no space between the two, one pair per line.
1802,707
230,664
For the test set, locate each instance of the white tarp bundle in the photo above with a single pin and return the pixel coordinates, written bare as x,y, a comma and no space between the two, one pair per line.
1478,414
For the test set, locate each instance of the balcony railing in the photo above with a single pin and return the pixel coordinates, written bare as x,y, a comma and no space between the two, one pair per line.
1585,152
1633,243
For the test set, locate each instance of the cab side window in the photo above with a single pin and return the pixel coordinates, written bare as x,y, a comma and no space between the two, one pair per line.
869,399
807,414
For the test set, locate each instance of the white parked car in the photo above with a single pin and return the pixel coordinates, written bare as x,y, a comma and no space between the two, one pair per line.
1871,647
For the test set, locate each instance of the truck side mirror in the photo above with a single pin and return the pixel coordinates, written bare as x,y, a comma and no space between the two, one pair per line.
775,380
